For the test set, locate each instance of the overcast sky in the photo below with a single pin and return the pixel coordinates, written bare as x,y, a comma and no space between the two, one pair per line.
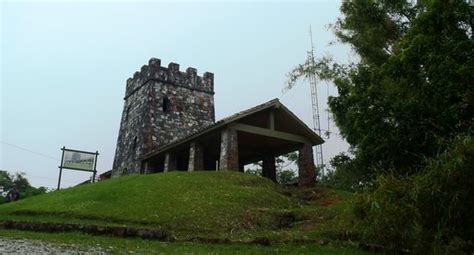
64,66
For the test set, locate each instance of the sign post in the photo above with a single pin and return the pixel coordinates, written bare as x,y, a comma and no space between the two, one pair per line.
78,160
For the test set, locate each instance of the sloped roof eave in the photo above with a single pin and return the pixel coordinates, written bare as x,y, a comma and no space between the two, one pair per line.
275,103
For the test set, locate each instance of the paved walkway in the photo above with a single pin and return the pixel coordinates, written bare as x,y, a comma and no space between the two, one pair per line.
25,246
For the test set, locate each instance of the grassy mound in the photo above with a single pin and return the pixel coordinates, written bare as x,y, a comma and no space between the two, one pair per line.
208,202
233,208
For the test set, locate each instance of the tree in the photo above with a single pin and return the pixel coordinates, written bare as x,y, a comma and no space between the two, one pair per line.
345,175
284,174
5,180
402,106
411,90
22,183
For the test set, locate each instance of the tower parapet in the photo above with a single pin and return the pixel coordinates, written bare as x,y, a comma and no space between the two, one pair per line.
161,105
170,75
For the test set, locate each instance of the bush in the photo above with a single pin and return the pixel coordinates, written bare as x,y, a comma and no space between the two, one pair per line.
429,212
286,177
346,174
387,214
444,197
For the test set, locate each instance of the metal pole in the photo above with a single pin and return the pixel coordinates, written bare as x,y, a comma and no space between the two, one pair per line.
61,167
95,166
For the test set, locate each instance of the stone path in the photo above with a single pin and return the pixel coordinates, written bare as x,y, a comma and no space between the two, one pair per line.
25,246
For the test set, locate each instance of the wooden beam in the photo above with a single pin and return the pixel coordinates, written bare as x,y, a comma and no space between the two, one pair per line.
269,133
271,120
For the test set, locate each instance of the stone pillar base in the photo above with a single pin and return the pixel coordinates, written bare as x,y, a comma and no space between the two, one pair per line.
196,157
229,155
306,168
268,167
170,162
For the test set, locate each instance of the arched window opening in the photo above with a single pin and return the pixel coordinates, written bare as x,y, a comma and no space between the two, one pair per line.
166,104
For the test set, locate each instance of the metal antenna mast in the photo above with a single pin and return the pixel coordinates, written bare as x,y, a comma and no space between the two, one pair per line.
314,99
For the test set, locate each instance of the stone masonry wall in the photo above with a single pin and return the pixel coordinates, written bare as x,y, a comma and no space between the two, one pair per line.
146,126
229,154
306,169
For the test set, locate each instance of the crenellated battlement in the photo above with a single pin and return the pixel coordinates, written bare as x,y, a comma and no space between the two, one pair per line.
170,75
162,104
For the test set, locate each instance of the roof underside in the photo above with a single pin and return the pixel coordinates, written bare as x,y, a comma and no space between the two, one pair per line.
251,144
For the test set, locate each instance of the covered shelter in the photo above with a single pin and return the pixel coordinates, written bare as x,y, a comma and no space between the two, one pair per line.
261,133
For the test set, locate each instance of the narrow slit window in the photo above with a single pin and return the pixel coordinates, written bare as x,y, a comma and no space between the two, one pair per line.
166,104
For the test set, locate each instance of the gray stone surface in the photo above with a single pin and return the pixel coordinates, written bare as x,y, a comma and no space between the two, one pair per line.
229,154
26,246
196,157
170,162
147,125
306,169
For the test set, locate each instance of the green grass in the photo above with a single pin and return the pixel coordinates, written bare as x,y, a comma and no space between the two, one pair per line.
212,203
239,207
132,245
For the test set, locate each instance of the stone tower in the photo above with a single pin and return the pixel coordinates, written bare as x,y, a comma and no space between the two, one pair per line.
161,105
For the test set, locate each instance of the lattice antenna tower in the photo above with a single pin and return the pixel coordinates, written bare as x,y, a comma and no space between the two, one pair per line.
314,99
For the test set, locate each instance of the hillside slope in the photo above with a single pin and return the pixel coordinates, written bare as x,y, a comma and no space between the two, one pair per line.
210,202
228,208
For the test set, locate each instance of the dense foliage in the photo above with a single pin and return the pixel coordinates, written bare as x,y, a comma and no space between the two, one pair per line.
344,174
411,91
406,109
428,212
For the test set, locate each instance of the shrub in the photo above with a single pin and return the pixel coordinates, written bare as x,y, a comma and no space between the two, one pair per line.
345,174
286,177
387,214
444,197
429,212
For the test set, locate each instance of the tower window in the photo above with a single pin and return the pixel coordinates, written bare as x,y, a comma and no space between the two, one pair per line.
166,104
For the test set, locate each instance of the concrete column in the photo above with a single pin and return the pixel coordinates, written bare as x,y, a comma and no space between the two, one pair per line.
306,169
196,157
170,162
229,155
269,168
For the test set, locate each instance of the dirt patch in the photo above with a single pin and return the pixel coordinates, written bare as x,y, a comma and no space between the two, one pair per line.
316,195
328,201
311,195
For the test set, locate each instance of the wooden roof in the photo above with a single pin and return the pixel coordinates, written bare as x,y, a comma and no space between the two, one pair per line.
286,123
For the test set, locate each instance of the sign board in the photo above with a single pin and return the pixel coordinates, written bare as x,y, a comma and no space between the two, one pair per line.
78,160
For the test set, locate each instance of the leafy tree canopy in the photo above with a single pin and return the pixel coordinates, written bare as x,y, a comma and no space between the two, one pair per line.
411,90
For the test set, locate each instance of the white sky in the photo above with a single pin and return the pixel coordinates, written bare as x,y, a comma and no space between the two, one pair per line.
64,66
